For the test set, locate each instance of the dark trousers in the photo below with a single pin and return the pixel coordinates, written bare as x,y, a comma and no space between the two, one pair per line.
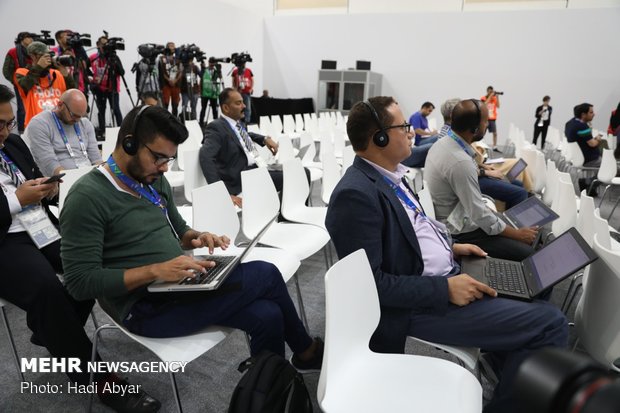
496,245
29,281
509,192
510,329
537,131
254,299
417,159
203,102
21,112
101,98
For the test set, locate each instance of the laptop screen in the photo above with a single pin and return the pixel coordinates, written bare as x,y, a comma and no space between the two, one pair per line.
531,212
516,169
563,256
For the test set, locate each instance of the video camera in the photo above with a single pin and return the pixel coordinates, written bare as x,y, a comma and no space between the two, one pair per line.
64,60
239,59
45,37
114,44
499,93
76,40
150,51
557,381
188,52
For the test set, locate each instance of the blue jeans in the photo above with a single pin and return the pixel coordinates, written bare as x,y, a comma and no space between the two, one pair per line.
509,192
254,299
509,329
418,155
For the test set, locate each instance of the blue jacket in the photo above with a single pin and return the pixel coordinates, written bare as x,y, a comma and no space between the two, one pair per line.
365,213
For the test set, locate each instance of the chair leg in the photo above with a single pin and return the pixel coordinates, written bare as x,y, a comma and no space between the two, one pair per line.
300,302
570,289
603,197
12,342
572,298
95,323
613,209
176,392
93,355
325,254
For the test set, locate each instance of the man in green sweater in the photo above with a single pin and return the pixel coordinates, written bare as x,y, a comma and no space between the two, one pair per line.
121,231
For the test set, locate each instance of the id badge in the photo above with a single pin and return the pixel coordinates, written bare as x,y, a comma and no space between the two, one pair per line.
38,225
82,163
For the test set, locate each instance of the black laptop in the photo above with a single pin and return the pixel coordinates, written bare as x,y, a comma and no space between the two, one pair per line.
540,271
516,169
530,213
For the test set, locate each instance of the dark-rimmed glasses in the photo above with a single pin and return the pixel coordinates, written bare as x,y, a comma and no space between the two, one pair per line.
406,127
160,159
9,124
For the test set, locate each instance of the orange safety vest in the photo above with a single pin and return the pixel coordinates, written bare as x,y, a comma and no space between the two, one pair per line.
45,95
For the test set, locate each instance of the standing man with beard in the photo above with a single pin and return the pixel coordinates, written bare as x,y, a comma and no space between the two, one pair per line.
40,85
452,176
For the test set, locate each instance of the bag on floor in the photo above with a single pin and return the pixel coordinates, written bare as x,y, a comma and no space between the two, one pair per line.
270,385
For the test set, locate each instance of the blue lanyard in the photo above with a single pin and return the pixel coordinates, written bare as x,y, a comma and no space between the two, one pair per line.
66,141
459,141
403,197
15,169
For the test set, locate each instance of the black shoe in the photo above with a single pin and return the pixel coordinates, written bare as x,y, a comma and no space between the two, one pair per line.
314,364
35,340
496,150
139,402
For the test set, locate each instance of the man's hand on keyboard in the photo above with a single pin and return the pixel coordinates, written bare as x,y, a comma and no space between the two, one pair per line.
467,249
463,289
180,267
206,239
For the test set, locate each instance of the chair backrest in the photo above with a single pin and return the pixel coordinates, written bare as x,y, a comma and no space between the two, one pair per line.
551,185
195,132
285,149
575,154
540,173
529,156
193,175
351,314
295,188
189,145
288,124
607,170
254,128
305,139
265,125
601,229
339,138
299,123
426,200
260,200
565,205
331,176
585,217
214,211
598,324
71,177
276,124
348,155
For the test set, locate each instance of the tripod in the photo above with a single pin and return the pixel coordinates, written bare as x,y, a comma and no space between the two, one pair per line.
191,81
147,79
211,87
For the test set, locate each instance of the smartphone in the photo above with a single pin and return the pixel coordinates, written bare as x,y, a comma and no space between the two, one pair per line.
54,178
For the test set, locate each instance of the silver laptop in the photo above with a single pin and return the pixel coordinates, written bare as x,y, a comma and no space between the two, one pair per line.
516,169
540,271
214,276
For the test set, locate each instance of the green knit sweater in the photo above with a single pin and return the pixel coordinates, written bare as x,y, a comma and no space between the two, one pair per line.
106,231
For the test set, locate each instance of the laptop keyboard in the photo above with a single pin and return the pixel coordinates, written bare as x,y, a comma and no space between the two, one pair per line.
221,262
505,276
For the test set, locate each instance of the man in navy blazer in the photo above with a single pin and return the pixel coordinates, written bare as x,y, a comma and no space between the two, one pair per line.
421,290
228,148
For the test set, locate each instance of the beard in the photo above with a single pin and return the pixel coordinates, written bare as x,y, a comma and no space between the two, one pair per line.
136,172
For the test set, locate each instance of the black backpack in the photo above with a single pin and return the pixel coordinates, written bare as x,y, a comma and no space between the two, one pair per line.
270,385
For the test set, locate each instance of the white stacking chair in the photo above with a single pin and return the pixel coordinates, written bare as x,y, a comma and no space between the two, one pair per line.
254,128
265,125
577,160
194,178
551,183
276,125
331,176
355,379
175,178
177,349
71,177
9,336
195,132
540,173
288,125
597,321
565,205
607,175
261,203
193,142
348,155
285,149
295,191
299,123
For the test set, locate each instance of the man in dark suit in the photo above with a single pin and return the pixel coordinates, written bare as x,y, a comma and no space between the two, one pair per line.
29,278
228,148
421,290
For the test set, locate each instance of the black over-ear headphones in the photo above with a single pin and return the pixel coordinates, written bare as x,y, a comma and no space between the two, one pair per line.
380,138
475,125
130,142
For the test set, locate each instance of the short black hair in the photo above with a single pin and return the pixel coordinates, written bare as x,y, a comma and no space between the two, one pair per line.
99,39
154,121
59,32
6,94
427,105
581,109
225,95
546,98
362,124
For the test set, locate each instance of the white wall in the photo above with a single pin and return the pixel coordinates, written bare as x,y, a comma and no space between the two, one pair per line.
219,27
570,55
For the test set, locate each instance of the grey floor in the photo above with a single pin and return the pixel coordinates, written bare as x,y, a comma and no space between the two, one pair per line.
208,382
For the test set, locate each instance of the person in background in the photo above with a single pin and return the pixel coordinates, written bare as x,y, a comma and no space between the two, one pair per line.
16,58
492,101
543,119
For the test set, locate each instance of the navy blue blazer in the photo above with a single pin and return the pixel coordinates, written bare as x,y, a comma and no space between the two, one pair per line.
222,157
364,212
19,153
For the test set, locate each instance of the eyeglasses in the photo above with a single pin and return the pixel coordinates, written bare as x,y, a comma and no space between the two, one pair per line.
73,115
406,127
160,159
9,124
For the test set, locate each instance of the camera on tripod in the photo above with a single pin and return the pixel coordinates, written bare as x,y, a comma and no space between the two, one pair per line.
150,51
76,40
240,59
64,60
114,44
188,52
45,37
